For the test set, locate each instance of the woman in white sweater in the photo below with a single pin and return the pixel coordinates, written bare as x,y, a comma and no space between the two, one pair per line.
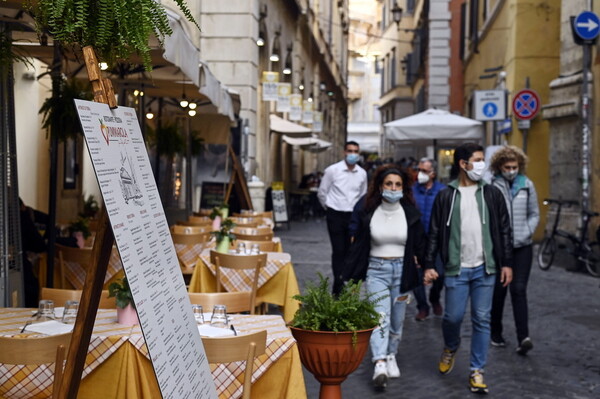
387,237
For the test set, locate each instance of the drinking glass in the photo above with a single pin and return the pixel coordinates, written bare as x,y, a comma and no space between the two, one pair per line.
241,248
219,317
46,310
70,312
255,249
198,314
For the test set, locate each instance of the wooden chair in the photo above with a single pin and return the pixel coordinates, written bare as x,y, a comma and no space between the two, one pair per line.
252,230
268,215
196,223
180,229
254,237
233,349
246,222
265,246
60,296
239,262
82,256
190,239
236,302
37,351
203,212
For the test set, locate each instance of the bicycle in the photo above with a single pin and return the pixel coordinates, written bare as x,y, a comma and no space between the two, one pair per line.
585,252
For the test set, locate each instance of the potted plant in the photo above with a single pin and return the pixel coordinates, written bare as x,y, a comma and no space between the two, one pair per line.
333,332
219,213
224,236
80,230
126,313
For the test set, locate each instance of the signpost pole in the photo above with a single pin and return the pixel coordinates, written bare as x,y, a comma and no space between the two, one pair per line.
585,137
525,132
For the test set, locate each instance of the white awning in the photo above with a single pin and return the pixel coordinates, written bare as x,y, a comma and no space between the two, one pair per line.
312,144
434,124
281,125
181,52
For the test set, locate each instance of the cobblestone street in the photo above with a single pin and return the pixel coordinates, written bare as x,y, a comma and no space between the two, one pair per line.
564,325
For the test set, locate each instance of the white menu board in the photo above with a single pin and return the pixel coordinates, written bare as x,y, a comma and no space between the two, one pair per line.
142,235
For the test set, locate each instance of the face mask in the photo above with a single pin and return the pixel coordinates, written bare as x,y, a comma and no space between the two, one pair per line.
352,159
476,173
422,178
510,175
392,196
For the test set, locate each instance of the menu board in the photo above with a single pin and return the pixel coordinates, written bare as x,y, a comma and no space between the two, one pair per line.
142,236
279,204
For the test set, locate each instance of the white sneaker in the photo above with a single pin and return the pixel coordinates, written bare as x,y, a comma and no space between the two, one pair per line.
392,367
380,375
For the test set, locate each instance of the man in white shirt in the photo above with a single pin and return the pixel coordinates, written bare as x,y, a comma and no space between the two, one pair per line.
343,184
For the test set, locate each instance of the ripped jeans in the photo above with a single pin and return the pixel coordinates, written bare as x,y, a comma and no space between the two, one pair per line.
383,279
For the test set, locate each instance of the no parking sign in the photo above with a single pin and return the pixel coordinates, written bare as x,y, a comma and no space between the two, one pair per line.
526,104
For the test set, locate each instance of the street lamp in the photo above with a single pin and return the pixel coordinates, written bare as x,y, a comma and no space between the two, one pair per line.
397,14
287,69
276,48
262,31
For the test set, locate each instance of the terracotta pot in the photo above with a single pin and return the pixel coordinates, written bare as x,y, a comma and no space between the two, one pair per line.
127,316
331,356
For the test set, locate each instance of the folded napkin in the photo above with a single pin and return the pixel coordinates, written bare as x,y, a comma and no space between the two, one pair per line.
206,330
51,327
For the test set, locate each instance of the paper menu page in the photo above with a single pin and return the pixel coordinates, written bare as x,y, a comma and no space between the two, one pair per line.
137,217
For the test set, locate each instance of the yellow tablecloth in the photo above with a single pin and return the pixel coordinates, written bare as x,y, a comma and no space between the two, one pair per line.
277,290
117,365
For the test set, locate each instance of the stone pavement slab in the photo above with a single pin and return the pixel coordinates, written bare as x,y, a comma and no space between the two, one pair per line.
564,326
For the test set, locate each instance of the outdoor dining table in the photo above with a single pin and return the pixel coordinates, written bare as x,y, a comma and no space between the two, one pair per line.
118,365
277,282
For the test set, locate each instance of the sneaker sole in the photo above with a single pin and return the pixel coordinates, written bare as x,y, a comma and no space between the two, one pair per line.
479,390
524,348
498,344
380,381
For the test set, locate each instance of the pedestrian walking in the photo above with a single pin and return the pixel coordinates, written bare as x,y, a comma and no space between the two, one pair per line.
342,185
508,167
425,190
470,228
387,236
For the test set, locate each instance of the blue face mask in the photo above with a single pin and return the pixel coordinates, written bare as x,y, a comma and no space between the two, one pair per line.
352,159
392,196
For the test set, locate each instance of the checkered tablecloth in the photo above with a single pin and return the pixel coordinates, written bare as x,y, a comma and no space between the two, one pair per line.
75,273
108,337
241,280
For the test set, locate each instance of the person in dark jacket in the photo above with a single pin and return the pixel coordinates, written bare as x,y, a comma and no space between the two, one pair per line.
387,236
425,190
508,167
470,229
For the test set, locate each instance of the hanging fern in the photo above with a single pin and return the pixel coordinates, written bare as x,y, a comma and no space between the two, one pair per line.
115,28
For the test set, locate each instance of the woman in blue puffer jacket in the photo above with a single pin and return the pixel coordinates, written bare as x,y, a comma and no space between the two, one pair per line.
508,166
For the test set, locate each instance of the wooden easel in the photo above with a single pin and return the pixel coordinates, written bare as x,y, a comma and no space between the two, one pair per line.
94,278
239,181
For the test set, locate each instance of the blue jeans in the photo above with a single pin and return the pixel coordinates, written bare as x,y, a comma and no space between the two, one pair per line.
479,285
383,279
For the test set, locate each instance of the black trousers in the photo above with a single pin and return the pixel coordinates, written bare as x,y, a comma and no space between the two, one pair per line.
337,226
522,258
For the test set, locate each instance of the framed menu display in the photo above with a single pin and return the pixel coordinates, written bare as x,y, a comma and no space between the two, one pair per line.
144,242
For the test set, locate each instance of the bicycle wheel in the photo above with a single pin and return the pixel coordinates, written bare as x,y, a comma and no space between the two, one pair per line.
545,255
592,260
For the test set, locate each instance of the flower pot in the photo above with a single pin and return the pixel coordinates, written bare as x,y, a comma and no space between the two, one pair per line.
216,224
127,316
331,356
223,245
78,235
224,212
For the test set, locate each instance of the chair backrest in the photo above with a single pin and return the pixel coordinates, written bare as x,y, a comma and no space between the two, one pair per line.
36,351
232,349
61,296
265,246
206,224
239,262
268,214
190,239
254,237
246,222
181,229
203,212
252,230
81,256
236,302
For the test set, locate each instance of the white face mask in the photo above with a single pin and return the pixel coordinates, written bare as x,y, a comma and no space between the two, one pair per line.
476,173
423,178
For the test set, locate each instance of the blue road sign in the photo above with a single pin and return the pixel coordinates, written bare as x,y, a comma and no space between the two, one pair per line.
587,25
526,104
490,110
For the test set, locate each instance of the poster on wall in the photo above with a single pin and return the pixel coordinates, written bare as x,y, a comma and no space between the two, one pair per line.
270,82
317,122
284,90
295,107
142,236
279,205
307,112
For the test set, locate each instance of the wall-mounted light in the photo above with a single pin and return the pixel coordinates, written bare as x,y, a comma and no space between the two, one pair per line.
184,102
397,15
192,105
301,85
276,51
103,65
310,98
149,114
192,112
262,29
322,86
287,69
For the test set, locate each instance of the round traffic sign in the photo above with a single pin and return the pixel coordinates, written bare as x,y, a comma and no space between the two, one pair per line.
587,25
526,104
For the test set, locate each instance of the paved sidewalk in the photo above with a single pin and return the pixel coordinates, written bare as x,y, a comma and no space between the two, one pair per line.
564,326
